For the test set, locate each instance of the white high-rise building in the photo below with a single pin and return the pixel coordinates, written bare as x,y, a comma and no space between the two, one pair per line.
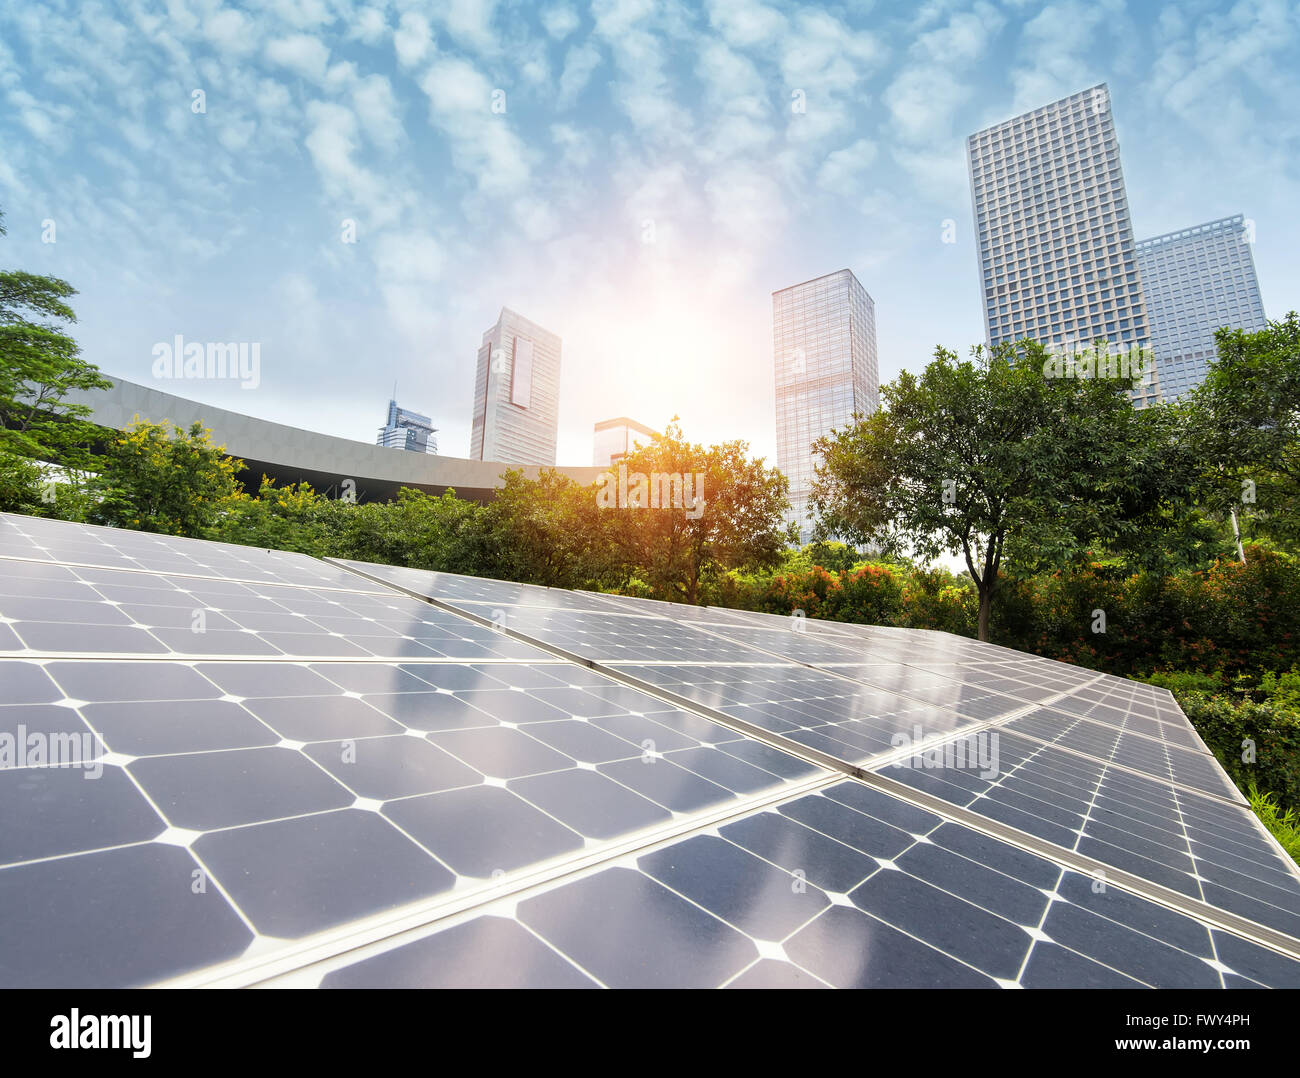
516,393
1057,259
1197,280
824,348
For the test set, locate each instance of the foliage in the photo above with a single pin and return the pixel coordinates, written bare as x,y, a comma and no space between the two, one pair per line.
1235,729
1180,682
681,552
420,530
1244,424
1283,823
175,482
989,456
39,364
551,531
20,484
293,517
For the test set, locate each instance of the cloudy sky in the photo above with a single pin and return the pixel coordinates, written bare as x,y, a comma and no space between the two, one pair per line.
635,175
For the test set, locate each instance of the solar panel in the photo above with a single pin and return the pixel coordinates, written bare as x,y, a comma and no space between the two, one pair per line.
368,776
1205,848
56,542
97,611
842,887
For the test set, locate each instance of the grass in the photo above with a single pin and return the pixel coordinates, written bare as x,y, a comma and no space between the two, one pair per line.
1285,826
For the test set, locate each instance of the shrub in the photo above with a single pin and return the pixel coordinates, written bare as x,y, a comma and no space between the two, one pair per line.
1234,730
870,595
1181,682
1284,824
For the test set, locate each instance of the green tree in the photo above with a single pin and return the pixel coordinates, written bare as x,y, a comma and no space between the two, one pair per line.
21,484
550,531
39,364
989,457
418,530
734,519
1244,423
292,517
175,482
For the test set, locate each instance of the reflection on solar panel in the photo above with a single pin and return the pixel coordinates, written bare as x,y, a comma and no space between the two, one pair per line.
226,766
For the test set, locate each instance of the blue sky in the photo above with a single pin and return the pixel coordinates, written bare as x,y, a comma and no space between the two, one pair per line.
642,186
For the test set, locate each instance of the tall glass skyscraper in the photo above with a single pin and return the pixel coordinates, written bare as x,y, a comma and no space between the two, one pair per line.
516,393
1197,280
1057,258
824,346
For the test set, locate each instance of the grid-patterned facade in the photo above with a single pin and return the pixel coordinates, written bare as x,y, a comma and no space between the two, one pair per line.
1197,280
407,430
516,393
1057,257
824,346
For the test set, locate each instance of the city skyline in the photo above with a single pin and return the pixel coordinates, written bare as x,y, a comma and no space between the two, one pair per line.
645,158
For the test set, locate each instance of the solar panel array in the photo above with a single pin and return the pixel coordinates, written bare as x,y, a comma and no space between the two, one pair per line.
221,765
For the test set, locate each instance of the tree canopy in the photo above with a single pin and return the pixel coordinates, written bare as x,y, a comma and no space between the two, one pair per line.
991,458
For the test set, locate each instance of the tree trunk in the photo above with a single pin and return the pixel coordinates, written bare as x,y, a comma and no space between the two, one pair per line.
986,603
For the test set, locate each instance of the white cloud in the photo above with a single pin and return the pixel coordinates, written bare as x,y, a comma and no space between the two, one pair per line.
560,20
483,146
842,171
469,22
368,25
573,144
300,13
923,101
378,110
42,119
579,63
409,266
411,39
300,53
356,190
745,23
230,31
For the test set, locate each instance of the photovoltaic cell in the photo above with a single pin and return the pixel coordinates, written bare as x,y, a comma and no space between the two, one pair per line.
63,545
1203,848
1135,751
430,776
847,887
808,708
327,758
145,613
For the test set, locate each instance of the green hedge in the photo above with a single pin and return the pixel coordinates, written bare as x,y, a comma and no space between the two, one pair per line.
1226,724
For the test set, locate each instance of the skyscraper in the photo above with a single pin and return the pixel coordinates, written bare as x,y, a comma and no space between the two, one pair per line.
407,430
1195,281
1057,258
824,347
614,439
516,393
